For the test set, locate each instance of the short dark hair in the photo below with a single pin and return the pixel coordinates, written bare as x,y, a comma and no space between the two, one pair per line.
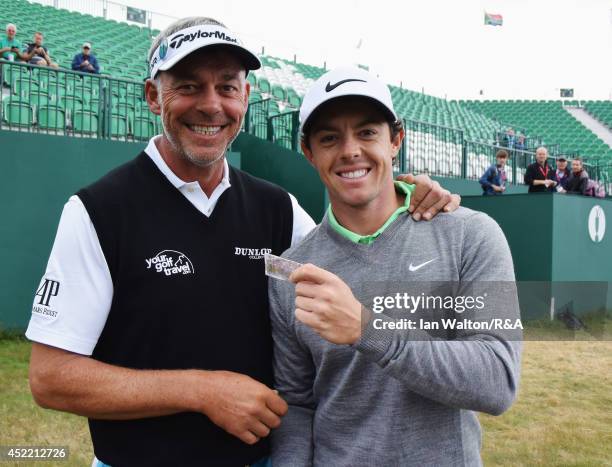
502,153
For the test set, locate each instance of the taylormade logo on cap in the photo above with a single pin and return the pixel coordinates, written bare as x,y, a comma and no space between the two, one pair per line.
188,40
180,38
345,81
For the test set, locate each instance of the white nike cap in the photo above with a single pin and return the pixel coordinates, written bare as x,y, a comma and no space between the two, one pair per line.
341,82
180,44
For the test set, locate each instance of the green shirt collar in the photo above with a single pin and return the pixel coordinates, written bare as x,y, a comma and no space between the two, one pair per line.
400,187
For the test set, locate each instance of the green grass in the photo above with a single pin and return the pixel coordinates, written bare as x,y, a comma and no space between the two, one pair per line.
22,422
563,414
562,417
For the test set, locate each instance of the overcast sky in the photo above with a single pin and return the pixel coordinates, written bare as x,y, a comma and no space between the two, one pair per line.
441,46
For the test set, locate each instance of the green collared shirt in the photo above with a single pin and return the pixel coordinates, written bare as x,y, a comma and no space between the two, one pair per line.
400,187
5,42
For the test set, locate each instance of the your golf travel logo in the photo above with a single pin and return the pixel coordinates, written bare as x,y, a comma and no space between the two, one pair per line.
170,262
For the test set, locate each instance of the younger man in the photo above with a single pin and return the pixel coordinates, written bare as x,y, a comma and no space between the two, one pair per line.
493,181
578,181
359,395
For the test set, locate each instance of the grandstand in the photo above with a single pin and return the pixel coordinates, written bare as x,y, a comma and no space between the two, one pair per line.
600,110
552,122
121,48
455,139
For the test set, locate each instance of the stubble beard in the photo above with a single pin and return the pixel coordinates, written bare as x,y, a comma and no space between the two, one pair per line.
186,154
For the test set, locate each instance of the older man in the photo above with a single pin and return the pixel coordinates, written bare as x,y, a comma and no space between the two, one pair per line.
10,47
147,321
540,176
493,181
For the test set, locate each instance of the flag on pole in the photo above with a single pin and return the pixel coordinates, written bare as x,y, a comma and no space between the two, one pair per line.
493,20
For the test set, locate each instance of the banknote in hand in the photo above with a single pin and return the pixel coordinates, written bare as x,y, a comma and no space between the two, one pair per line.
279,268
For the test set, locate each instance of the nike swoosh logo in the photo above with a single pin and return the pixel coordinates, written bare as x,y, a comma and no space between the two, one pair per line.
412,268
330,87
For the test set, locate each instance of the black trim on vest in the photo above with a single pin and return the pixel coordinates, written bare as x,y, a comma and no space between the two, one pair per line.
189,292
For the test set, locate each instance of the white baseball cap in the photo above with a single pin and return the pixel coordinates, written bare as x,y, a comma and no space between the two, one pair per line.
86,44
341,82
180,44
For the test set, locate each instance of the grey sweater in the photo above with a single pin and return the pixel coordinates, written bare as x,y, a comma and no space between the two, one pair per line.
398,397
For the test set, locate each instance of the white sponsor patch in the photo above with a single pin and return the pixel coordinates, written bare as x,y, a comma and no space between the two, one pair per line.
252,253
48,290
170,262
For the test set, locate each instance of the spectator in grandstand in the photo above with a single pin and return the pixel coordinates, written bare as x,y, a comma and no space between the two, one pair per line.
161,335
85,61
493,181
520,143
578,180
539,176
37,54
509,139
10,47
562,174
360,394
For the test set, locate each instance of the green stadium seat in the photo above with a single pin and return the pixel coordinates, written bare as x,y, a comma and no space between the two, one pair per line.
47,78
6,72
264,85
51,117
143,128
278,93
71,103
22,86
124,106
17,113
273,108
84,121
56,90
38,98
92,106
142,109
119,125
294,101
